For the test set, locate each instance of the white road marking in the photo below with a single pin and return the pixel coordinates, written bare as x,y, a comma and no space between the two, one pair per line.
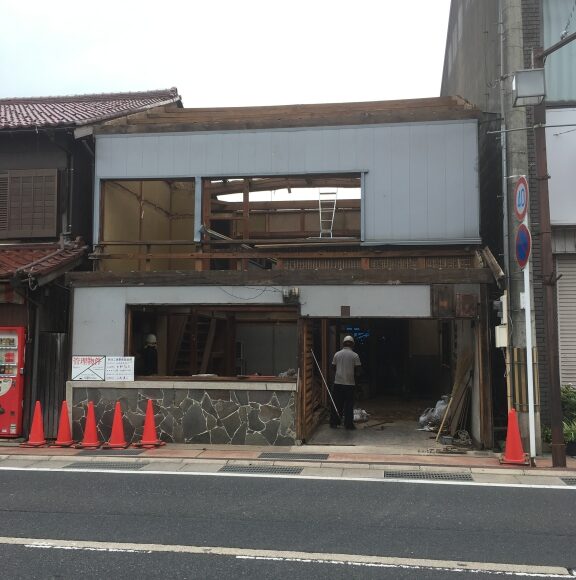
287,476
293,556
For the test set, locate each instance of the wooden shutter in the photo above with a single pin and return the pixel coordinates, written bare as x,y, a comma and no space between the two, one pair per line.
3,204
566,296
31,203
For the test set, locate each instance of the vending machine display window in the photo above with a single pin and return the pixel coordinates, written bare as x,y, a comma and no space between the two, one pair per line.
12,342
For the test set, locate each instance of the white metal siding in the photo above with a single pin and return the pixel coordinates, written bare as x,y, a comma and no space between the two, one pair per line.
560,77
564,240
421,179
566,266
561,153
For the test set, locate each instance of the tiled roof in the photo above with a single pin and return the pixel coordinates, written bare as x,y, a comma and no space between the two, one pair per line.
77,110
37,261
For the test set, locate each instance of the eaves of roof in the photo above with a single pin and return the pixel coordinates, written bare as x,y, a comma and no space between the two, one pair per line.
39,264
78,110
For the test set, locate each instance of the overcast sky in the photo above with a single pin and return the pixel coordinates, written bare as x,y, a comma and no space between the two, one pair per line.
225,53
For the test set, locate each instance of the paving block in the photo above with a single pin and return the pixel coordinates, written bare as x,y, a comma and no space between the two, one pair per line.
371,473
162,466
55,464
322,472
497,470
342,465
202,467
494,478
443,469
298,464
539,480
17,463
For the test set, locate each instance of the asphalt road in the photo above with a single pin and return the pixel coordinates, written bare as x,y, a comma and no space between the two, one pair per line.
520,526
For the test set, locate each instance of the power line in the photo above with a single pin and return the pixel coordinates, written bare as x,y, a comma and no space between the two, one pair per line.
568,22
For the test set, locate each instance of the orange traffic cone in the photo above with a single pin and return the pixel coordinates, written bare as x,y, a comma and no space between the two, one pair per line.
36,437
64,437
90,440
149,436
117,440
513,452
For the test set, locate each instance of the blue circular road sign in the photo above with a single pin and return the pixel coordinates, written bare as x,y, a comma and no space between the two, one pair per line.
523,245
521,198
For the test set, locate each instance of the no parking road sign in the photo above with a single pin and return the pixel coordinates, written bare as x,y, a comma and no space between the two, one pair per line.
523,245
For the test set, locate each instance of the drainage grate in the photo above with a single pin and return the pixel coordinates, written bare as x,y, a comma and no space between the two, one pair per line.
111,452
106,465
569,480
289,456
446,476
268,469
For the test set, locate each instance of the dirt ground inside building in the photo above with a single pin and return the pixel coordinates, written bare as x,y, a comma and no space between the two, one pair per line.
392,421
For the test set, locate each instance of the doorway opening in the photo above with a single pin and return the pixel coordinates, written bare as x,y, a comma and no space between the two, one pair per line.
408,364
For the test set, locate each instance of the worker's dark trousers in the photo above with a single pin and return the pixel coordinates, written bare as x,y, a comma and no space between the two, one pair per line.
344,398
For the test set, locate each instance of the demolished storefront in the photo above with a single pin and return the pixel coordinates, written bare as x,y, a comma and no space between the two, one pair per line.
249,241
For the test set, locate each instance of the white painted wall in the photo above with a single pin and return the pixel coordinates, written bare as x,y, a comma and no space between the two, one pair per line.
402,301
99,317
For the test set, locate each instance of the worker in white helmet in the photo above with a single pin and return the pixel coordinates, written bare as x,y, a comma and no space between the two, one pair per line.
347,366
150,356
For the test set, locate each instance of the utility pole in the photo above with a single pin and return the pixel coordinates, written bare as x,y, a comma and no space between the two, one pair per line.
549,278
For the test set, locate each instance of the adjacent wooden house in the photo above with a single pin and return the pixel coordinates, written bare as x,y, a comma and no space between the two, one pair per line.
46,197
250,240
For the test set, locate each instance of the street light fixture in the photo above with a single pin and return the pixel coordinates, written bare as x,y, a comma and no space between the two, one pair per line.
529,87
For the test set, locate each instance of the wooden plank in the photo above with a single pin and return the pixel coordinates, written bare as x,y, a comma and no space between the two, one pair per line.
286,111
485,376
255,254
278,277
273,183
246,209
273,123
447,101
207,355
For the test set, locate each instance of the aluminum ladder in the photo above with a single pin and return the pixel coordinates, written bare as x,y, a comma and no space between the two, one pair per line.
327,210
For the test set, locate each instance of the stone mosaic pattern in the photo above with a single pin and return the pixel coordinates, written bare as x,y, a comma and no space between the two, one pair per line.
192,416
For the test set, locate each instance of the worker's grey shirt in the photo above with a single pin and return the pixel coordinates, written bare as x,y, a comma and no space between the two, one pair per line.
345,361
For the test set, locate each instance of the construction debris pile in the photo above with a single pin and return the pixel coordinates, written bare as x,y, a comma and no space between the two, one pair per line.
449,417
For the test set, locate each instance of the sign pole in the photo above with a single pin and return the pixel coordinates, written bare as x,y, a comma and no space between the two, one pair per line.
529,364
523,251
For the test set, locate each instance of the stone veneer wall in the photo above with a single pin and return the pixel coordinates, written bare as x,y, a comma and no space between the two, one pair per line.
211,416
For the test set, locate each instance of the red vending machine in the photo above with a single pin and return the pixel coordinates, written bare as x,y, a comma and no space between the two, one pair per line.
11,380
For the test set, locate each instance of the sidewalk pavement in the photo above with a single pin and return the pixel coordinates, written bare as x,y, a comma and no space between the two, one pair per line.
305,460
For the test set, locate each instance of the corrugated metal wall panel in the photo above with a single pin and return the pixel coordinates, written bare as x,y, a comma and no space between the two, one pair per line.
456,206
560,77
437,160
421,184
564,240
566,266
561,152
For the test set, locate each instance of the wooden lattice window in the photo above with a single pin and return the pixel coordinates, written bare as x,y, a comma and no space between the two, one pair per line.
28,203
3,203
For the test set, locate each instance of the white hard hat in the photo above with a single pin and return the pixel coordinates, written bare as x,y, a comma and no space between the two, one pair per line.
151,339
348,339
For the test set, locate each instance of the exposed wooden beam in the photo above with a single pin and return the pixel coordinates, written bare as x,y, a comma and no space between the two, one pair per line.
282,277
268,184
243,125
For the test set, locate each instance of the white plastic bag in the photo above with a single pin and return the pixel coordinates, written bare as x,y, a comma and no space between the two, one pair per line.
360,415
